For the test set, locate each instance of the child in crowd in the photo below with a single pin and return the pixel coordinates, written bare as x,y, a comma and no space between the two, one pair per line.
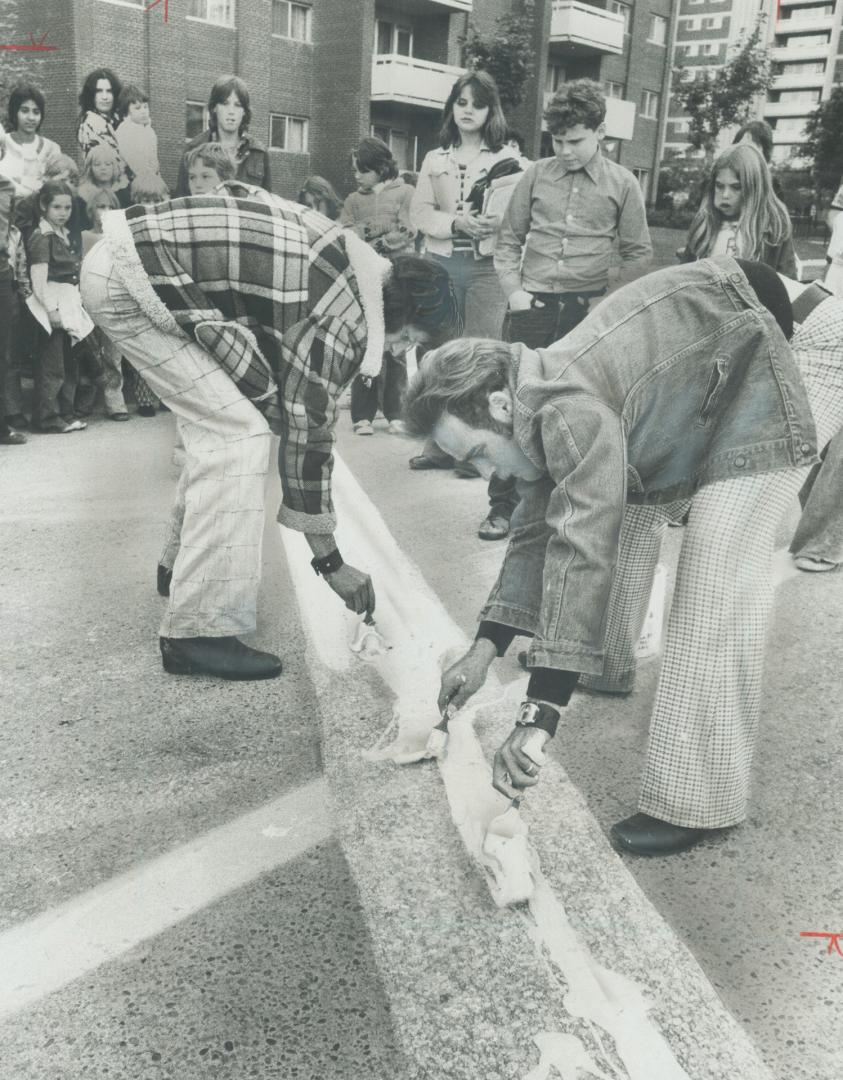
136,138
319,195
109,355
24,153
54,273
103,171
147,190
741,215
379,212
8,435
208,166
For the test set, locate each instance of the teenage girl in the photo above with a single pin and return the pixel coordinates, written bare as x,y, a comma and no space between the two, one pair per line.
54,272
741,215
104,171
319,195
98,111
379,212
24,154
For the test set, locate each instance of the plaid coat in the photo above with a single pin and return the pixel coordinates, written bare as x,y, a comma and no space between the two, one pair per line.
268,288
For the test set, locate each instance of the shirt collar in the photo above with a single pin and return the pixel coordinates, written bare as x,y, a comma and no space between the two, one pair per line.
593,167
46,228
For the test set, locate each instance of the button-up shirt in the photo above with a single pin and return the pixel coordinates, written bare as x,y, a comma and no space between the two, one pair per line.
566,221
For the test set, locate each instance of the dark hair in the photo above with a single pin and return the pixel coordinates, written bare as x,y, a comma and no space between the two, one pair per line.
761,134
770,290
214,156
130,95
89,89
515,136
221,91
580,101
24,92
46,195
373,155
320,189
419,293
484,90
411,178
457,379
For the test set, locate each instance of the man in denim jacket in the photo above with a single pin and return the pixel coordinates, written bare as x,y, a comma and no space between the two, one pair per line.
680,386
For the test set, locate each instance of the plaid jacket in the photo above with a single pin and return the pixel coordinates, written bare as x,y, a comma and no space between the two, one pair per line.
266,287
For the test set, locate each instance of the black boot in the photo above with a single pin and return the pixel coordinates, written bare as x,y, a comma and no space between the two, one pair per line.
645,835
225,657
165,576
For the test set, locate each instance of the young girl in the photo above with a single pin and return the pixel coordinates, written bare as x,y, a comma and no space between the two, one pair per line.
54,273
147,190
319,195
103,171
379,212
136,138
741,215
229,115
25,156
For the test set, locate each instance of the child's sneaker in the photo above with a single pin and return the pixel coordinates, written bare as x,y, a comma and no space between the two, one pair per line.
364,427
396,427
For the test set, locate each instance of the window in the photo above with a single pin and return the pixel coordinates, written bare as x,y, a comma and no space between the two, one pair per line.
128,3
620,8
220,12
393,38
290,20
556,76
650,105
800,95
805,41
808,67
795,125
288,133
706,49
658,30
404,146
643,178
195,119
613,89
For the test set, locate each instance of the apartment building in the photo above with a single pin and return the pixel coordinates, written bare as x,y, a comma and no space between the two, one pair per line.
322,73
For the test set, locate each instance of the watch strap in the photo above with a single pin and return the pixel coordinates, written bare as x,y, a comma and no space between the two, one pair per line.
327,564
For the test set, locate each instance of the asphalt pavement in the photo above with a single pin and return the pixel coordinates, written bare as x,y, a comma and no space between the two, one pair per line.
123,786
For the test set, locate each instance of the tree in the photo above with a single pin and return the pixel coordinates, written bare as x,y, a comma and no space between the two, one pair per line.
720,97
824,144
13,66
506,53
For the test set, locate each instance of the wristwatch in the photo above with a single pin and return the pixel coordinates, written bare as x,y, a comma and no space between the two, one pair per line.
538,714
327,564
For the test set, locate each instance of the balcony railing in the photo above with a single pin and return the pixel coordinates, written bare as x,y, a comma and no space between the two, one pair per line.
586,29
620,117
808,81
412,81
454,5
790,108
789,54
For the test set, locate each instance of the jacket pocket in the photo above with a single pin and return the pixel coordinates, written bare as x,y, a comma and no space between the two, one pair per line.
714,390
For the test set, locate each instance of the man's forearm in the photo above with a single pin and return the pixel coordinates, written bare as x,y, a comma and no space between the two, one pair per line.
321,544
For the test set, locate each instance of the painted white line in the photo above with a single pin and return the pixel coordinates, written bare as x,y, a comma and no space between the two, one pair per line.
51,950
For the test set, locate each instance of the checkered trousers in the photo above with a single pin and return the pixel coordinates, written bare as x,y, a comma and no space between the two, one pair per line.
705,717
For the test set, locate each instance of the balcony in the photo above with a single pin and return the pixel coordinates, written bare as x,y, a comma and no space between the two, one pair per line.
792,54
412,81
620,117
454,5
801,25
584,30
811,80
789,108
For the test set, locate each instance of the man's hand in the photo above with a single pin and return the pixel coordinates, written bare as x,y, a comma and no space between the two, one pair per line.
513,770
55,318
354,588
523,301
467,675
477,226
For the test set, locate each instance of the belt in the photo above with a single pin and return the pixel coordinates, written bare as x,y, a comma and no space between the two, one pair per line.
809,299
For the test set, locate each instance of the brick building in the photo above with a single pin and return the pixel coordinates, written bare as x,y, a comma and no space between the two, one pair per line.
322,73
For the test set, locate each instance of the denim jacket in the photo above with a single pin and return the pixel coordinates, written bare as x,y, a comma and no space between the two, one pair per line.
680,379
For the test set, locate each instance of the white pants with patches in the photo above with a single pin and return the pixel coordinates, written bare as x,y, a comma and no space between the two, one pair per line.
705,718
219,511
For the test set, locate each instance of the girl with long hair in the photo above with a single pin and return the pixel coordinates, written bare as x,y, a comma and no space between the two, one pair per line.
98,110
741,215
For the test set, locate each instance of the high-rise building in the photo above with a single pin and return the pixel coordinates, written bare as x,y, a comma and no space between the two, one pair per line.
322,73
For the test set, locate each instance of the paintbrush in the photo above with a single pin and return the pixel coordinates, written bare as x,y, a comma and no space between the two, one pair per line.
437,740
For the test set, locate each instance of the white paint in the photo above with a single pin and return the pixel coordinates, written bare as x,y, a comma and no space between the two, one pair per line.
51,950
418,629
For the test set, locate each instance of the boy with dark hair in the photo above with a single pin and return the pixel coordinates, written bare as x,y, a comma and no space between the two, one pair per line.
207,166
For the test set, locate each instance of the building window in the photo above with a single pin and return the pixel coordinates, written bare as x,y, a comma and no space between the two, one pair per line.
805,41
706,49
650,105
404,146
555,77
393,38
643,178
613,89
794,125
807,67
127,3
288,133
290,20
620,8
219,12
658,30
799,96
195,119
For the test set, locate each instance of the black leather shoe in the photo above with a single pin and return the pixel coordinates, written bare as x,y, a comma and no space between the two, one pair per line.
423,461
225,657
645,835
165,576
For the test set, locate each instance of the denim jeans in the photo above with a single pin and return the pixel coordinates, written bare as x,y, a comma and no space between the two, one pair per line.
23,337
56,378
364,398
819,534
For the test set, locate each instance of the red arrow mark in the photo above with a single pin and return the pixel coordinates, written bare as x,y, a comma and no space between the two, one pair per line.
33,46
155,3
